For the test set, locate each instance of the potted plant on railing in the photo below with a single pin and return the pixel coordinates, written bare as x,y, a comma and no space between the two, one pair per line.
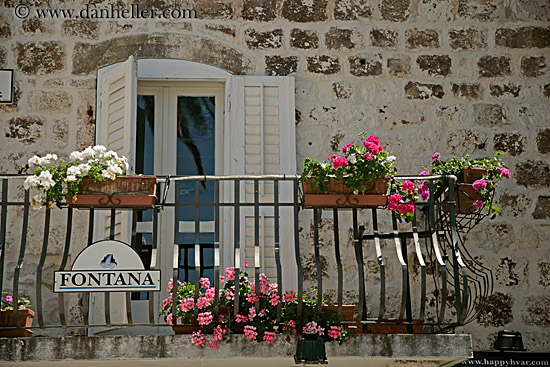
7,316
91,178
257,323
358,178
477,181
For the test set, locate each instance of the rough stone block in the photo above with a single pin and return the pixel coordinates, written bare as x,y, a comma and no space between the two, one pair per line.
56,101
436,10
435,64
228,30
259,10
530,10
36,26
280,65
490,114
546,90
510,273
25,129
533,174
365,65
511,143
533,66
342,90
304,39
337,38
497,310
543,141
544,270
264,40
523,37
494,66
416,90
465,141
482,10
542,210
537,311
395,10
3,57
513,205
214,9
421,38
467,90
5,27
385,38
505,90
60,133
467,39
305,11
352,9
399,66
81,28
323,64
40,58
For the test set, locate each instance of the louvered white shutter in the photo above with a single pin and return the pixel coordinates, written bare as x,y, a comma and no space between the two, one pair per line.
262,141
115,129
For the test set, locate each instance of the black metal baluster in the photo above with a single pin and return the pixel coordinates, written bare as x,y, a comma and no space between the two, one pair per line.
381,265
338,262
296,198
3,222
176,252
17,272
357,242
237,240
40,267
197,247
277,248
64,264
257,242
316,213
153,264
216,246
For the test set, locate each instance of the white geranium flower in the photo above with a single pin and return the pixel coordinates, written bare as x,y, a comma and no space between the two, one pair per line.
100,149
73,171
391,158
46,179
352,159
70,178
88,153
38,200
34,161
30,182
84,168
76,156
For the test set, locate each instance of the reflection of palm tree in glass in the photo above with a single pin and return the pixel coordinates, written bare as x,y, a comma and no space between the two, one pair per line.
192,113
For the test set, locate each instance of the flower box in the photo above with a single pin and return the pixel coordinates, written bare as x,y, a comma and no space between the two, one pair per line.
382,328
123,192
465,195
7,319
338,195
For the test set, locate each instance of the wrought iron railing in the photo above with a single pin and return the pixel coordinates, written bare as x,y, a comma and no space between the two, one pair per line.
432,260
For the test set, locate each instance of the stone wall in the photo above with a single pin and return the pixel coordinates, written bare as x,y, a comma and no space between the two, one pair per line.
454,76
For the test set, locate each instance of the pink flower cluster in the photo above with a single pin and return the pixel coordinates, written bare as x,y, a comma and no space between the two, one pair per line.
423,191
339,162
505,172
289,296
334,332
230,273
290,326
197,338
219,332
269,337
241,318
205,283
345,148
274,299
396,204
373,145
252,297
204,318
187,304
165,303
250,332
312,327
436,155
479,184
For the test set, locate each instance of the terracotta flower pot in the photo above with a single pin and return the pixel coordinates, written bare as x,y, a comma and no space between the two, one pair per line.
124,192
7,318
338,195
348,311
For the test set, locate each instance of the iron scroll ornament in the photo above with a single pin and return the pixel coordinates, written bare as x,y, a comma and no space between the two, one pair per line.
110,198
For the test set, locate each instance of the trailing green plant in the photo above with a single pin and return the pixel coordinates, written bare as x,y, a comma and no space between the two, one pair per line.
357,164
56,179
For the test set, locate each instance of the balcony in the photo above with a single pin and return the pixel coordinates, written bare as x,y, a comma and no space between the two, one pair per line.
412,283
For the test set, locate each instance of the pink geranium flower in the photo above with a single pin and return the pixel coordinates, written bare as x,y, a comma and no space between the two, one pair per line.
230,273
435,155
479,184
424,173
505,172
478,204
408,186
345,148
339,162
